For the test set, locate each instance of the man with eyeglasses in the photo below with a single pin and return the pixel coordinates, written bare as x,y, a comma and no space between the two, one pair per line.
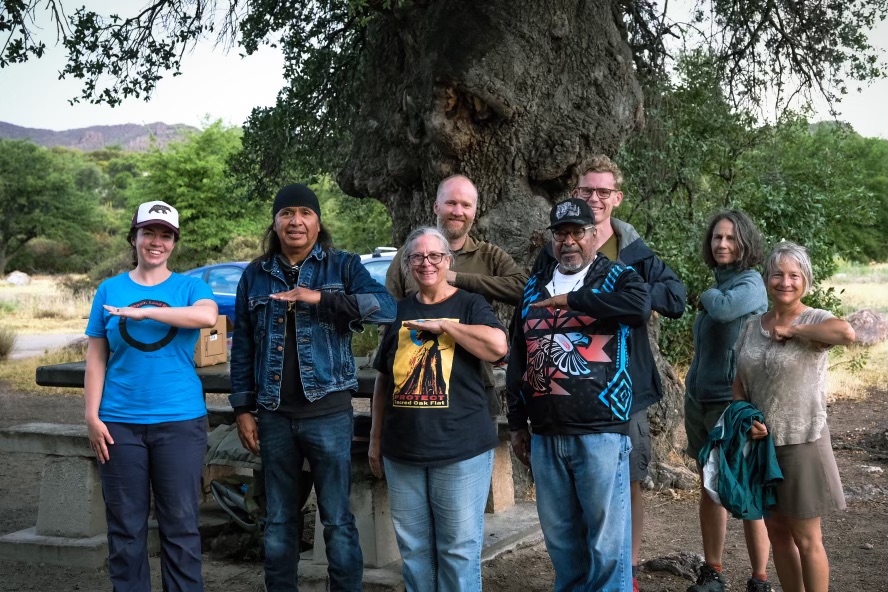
478,266
296,307
598,184
568,377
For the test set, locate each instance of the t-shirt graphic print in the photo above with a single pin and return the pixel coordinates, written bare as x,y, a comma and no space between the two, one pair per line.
422,368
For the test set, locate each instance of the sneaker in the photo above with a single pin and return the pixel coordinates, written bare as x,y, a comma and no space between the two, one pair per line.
635,585
754,585
709,580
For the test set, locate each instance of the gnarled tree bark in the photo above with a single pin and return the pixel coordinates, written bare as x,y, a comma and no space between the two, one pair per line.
512,93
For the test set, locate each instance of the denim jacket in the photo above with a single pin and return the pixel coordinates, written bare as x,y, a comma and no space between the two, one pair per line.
326,363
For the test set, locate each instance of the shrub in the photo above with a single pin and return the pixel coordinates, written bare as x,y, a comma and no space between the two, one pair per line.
7,342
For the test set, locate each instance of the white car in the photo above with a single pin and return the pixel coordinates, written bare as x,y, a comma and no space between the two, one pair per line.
377,262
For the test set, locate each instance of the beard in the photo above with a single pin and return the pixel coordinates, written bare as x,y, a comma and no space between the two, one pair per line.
571,264
453,229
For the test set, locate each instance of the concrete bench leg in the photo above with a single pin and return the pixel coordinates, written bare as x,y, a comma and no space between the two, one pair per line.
502,489
370,504
71,528
71,499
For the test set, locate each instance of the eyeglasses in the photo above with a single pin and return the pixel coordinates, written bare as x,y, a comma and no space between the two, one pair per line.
559,236
603,193
416,259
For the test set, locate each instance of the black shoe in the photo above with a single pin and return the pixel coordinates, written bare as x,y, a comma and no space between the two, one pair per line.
709,580
754,585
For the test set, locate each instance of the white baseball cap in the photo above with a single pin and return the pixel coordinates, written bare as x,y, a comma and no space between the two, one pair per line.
157,212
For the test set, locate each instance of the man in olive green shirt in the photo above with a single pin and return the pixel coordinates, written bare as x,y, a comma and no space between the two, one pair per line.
478,266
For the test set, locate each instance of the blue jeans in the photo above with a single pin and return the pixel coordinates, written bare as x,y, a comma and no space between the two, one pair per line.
325,442
582,488
166,458
438,514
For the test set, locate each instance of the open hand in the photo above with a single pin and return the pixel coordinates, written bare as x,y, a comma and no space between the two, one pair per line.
127,312
559,302
432,326
298,295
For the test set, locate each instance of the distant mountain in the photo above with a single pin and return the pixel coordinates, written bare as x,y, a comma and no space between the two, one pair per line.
131,137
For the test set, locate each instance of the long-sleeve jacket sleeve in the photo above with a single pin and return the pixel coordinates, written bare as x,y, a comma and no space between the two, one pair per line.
243,350
629,303
746,296
668,293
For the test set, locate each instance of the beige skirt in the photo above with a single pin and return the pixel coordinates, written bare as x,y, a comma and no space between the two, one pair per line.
811,485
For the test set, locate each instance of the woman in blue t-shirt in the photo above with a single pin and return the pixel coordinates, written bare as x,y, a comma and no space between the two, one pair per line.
431,424
145,411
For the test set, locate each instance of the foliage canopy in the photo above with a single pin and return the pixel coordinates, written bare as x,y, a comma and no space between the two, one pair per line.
788,46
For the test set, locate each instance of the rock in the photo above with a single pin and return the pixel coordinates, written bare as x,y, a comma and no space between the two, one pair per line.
869,469
864,493
673,477
18,278
870,326
684,564
867,546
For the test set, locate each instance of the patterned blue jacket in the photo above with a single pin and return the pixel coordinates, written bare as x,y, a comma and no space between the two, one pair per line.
569,369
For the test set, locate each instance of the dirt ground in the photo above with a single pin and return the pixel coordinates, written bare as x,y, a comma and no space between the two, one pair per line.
856,540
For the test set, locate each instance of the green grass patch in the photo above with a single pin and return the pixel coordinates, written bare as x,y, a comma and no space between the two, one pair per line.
20,375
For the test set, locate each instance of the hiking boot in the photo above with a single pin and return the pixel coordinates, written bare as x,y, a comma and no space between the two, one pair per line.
635,585
754,585
709,580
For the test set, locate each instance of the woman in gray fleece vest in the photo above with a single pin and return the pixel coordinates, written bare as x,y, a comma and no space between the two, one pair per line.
732,248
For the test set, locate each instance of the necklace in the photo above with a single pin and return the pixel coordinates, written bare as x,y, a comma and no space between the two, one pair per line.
561,290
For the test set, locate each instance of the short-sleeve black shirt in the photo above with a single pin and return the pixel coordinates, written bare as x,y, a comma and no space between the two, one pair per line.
437,411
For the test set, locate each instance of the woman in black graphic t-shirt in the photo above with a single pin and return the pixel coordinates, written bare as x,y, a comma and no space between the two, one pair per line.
432,436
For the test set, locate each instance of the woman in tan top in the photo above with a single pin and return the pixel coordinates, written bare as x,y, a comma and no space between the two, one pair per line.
781,369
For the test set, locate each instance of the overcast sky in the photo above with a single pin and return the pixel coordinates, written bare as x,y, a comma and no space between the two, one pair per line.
226,86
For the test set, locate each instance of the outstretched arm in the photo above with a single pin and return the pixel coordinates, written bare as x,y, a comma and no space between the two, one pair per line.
482,341
199,315
829,332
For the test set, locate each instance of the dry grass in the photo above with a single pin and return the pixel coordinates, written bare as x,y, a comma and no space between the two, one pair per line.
43,306
854,371
18,375
7,341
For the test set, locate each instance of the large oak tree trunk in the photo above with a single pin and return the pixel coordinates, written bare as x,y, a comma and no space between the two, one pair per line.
512,93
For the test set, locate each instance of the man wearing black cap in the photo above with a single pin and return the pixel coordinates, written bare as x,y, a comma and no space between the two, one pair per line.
599,182
568,377
291,362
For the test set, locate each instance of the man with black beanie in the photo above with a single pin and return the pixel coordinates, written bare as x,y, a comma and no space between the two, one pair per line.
291,363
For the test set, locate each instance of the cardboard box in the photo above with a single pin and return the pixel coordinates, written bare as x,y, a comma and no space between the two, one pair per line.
211,347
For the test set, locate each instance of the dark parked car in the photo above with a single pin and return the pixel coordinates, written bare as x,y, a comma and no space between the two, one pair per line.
223,277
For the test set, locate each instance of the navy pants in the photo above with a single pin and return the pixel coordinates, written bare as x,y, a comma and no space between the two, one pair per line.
166,458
